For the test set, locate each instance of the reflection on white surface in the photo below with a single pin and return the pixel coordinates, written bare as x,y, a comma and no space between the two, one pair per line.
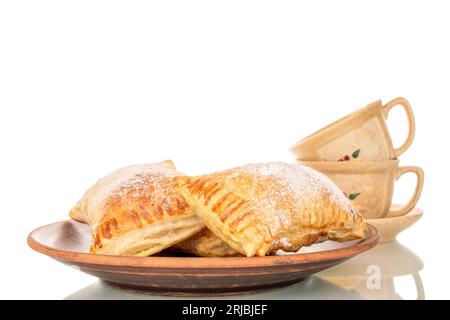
368,276
372,274
310,289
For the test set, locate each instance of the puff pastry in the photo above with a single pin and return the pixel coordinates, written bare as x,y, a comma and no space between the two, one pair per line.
260,208
136,211
206,244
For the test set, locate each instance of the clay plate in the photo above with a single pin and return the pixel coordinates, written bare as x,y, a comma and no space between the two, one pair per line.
68,242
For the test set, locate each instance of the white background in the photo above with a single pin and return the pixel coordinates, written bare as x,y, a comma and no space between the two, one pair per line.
90,86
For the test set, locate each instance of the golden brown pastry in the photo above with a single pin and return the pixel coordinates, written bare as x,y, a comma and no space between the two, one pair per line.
136,211
260,208
206,244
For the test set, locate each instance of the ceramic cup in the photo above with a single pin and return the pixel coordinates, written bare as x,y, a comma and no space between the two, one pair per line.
370,184
363,133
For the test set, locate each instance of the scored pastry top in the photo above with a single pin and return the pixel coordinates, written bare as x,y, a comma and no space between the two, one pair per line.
130,199
259,208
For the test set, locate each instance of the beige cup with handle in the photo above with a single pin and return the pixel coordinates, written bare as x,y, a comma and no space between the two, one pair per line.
370,184
364,130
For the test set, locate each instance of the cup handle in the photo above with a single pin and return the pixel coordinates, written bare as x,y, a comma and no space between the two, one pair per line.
419,286
411,122
413,201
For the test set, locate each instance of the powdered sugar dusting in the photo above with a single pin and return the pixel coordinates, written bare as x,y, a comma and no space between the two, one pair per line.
132,181
134,177
284,193
139,177
301,181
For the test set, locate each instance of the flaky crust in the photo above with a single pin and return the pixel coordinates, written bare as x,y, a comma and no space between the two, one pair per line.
136,211
260,208
206,244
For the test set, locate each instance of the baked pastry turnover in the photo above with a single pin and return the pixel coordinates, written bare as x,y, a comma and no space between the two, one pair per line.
136,211
260,208
206,244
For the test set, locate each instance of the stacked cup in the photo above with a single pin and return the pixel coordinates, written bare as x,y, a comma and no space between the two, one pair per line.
357,153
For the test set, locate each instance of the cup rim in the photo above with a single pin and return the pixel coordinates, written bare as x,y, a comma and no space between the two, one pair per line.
311,137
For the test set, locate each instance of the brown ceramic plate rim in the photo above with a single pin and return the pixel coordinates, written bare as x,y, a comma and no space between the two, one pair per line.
371,240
